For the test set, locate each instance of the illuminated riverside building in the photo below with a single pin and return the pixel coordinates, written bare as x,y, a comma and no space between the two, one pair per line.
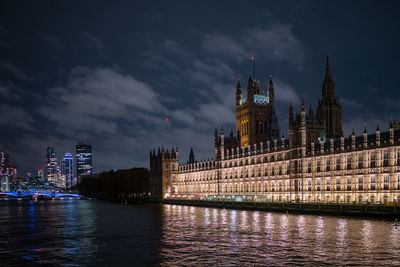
315,164
83,160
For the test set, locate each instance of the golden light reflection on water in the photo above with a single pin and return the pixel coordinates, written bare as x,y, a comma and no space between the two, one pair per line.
301,227
283,220
243,220
206,217
320,230
256,221
341,242
241,238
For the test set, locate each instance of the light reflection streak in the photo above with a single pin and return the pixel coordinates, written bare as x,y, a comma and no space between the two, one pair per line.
224,218
283,220
269,227
215,217
256,222
32,254
341,242
319,231
233,225
395,244
301,227
243,220
206,217
367,239
256,229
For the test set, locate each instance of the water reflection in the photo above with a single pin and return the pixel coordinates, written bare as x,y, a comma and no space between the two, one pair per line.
238,237
63,233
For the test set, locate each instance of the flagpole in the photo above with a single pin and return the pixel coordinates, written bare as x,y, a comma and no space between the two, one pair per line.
254,66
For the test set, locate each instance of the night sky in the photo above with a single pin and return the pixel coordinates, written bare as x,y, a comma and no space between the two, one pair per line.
110,72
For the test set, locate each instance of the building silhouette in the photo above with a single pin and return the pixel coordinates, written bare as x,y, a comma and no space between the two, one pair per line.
316,163
83,161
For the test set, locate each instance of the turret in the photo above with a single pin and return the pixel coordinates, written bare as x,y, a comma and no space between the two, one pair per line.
391,133
303,113
290,116
250,89
365,137
303,128
378,135
238,93
216,144
353,140
222,144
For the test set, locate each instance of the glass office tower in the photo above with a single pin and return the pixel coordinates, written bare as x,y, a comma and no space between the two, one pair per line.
83,160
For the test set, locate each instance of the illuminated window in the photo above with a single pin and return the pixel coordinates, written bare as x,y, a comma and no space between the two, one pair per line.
386,182
360,183
328,184
386,159
349,184
338,184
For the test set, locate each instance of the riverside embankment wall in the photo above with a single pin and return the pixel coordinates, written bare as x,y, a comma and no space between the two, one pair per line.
382,211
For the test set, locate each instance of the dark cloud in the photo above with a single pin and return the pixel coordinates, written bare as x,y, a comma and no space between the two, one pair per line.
17,72
54,42
273,42
77,76
91,41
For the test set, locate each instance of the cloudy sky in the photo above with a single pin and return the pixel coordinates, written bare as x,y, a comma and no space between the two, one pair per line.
110,72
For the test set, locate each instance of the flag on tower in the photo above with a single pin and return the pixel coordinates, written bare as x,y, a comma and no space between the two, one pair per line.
253,57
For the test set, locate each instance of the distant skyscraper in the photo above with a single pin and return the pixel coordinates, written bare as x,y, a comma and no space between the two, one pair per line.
40,174
67,170
51,166
83,160
7,172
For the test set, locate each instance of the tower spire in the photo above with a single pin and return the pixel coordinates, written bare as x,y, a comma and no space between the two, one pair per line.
238,92
328,86
328,65
271,93
191,156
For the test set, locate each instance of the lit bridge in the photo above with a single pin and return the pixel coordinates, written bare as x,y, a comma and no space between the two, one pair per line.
47,194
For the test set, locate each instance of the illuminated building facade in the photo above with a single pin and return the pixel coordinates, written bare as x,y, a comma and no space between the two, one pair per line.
8,173
83,160
315,164
53,174
67,170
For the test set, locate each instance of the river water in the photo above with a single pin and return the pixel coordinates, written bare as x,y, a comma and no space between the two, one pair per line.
96,233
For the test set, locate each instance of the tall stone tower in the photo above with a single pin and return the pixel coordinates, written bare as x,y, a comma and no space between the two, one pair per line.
163,171
256,120
329,110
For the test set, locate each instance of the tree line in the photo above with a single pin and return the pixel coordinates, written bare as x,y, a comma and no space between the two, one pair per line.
117,184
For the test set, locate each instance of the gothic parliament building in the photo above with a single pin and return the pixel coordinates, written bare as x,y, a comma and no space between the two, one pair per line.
315,164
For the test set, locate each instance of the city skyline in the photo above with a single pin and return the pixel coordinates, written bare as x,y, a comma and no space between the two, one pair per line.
125,88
